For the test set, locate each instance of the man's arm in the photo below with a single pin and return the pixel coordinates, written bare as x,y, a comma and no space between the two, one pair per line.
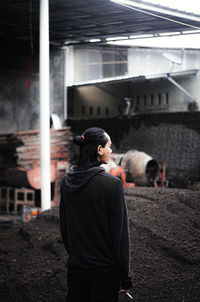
63,218
120,234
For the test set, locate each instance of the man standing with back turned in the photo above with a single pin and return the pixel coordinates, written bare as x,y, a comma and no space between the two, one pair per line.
94,224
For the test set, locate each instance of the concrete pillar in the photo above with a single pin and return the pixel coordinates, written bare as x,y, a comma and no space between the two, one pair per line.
44,107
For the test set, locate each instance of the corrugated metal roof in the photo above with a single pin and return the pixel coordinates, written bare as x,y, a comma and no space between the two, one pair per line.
82,20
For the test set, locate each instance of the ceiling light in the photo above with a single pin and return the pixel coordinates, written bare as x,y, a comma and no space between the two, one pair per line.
177,41
190,31
140,36
116,38
170,34
71,42
94,40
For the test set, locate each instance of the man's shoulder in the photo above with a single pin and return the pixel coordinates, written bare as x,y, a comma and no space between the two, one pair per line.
105,177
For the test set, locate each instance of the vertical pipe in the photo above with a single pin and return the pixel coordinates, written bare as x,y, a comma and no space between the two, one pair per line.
44,106
68,76
65,86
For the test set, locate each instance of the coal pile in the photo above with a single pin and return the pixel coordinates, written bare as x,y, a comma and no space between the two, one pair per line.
165,251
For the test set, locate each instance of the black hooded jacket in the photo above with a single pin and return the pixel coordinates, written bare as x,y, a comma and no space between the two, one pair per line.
93,221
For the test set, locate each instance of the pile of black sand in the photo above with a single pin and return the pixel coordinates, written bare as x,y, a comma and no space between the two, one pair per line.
165,242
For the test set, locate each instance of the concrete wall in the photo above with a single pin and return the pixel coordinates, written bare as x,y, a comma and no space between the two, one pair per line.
154,61
19,93
177,100
142,91
106,97
149,89
57,82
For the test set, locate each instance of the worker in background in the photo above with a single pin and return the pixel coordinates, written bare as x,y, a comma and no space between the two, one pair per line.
125,106
94,224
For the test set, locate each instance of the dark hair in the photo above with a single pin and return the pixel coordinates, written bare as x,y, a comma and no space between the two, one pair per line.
88,143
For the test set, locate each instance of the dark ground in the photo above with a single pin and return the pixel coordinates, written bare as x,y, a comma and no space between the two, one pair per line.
165,240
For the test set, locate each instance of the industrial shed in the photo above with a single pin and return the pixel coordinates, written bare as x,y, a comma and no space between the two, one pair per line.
163,221
75,26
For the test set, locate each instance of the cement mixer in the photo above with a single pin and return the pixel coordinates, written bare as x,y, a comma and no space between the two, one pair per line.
143,168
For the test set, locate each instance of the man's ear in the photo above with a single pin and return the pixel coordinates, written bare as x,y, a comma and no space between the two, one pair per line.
99,149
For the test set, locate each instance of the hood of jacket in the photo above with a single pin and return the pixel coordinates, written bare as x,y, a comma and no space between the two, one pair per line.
78,176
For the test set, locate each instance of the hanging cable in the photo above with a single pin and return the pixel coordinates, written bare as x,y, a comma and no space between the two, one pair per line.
31,27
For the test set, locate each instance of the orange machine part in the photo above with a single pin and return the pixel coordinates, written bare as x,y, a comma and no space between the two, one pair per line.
34,177
116,171
119,172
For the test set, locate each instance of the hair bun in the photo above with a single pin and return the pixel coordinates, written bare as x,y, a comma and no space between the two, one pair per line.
79,140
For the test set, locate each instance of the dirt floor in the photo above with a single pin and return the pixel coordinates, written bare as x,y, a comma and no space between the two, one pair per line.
165,241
